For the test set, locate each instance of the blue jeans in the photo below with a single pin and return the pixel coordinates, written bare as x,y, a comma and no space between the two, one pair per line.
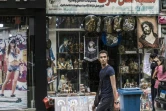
106,104
13,68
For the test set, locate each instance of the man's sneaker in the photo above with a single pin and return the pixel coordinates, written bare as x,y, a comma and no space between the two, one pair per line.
13,95
1,95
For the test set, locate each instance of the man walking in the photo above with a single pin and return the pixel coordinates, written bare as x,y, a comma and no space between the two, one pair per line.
108,89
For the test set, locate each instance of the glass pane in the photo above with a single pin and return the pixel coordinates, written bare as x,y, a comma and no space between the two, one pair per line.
69,22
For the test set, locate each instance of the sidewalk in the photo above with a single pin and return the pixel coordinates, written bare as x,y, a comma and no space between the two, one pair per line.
157,109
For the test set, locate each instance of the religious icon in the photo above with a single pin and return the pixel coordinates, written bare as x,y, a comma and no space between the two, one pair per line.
90,48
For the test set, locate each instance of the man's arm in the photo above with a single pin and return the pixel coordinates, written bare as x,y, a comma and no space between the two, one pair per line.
113,83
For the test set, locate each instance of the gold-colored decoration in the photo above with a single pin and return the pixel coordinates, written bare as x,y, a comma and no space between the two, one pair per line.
121,49
91,25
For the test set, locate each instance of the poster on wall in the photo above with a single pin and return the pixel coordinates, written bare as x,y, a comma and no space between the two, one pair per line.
147,32
13,69
75,103
102,7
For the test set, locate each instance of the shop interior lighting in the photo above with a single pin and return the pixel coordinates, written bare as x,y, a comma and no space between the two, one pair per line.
10,35
1,25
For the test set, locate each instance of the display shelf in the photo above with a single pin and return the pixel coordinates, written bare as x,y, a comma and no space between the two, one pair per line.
70,53
128,53
129,64
67,29
136,73
69,46
70,69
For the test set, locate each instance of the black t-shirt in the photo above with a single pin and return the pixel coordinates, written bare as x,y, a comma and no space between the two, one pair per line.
153,66
106,88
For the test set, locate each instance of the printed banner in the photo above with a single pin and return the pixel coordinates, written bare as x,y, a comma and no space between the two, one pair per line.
146,64
102,7
78,103
13,69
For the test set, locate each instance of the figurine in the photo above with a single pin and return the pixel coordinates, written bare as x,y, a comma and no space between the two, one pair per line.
81,47
62,83
58,63
80,63
70,46
131,66
123,63
127,84
135,66
76,47
132,84
121,49
74,22
61,63
69,64
143,84
70,90
76,64
67,22
135,84
64,46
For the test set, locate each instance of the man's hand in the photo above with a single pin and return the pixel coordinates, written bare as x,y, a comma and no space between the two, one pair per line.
116,107
93,108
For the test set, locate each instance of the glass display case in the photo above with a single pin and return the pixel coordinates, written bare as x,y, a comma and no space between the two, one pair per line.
67,44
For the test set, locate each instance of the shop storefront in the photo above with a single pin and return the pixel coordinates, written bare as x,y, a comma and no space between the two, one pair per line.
22,25
78,30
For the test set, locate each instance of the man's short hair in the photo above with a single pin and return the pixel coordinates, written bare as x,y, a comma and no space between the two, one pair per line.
147,23
153,55
103,51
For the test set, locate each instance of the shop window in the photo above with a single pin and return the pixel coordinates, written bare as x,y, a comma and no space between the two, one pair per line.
66,69
13,62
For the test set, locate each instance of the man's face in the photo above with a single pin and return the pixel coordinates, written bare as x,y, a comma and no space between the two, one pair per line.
103,58
65,42
156,59
90,44
146,29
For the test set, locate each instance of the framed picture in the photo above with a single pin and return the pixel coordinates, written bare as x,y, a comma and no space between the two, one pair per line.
123,69
163,5
147,36
90,48
68,42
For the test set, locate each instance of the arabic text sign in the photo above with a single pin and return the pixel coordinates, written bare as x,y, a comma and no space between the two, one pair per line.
103,6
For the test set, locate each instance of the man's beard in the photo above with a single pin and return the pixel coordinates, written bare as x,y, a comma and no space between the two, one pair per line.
147,32
104,64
